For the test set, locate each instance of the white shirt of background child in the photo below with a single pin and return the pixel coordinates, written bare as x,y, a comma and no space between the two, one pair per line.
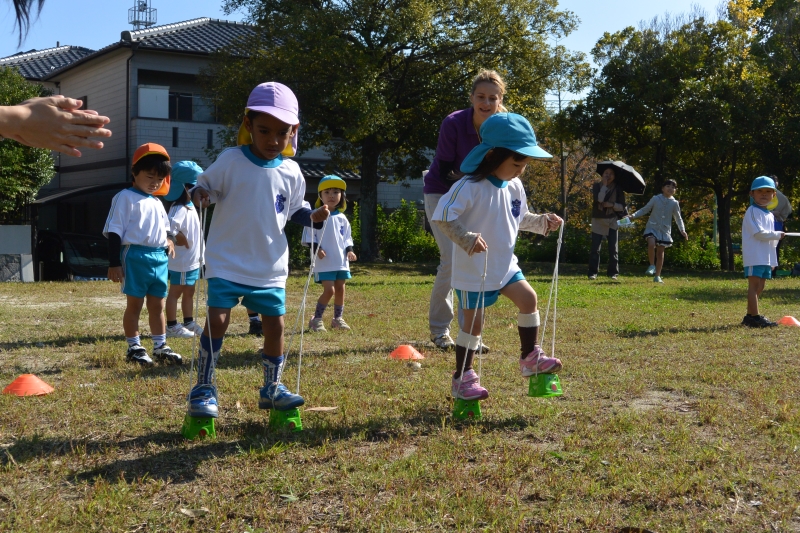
138,218
336,239
246,243
759,250
494,212
184,219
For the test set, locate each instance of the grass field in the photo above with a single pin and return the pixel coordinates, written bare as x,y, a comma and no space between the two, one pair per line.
674,417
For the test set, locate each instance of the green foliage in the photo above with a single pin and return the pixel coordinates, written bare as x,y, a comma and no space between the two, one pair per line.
685,100
23,170
401,236
375,78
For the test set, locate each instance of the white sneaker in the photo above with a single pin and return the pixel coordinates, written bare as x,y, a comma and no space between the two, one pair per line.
316,325
443,341
178,331
339,323
651,270
194,327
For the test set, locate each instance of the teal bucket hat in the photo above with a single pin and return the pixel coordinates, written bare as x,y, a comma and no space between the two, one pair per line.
763,182
183,173
504,130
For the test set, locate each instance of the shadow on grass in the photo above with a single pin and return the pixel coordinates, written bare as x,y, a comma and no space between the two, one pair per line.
630,333
61,342
731,294
180,464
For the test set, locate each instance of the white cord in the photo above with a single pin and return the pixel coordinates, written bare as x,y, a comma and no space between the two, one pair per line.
197,292
553,299
480,303
299,321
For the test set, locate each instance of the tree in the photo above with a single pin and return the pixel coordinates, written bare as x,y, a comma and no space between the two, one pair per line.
683,99
23,170
375,78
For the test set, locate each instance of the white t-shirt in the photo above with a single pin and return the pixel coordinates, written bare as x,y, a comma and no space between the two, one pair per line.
184,219
493,208
335,240
759,238
254,199
138,218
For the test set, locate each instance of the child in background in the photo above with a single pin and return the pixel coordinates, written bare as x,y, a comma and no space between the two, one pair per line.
663,208
184,268
334,253
483,212
759,240
138,236
254,186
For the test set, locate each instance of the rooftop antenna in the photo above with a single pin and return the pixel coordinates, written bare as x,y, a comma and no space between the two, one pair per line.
141,15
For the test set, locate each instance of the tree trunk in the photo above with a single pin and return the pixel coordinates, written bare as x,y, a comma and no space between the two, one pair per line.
724,223
368,211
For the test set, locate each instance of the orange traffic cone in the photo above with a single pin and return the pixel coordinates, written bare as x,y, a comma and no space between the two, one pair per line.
28,385
789,321
405,351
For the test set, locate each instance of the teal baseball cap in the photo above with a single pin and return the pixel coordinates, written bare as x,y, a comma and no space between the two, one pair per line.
183,173
763,182
331,181
504,130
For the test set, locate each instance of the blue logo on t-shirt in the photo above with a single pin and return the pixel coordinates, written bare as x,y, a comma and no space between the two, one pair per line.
515,208
341,230
279,202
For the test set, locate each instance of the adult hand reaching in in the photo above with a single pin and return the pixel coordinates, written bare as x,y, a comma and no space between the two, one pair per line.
54,123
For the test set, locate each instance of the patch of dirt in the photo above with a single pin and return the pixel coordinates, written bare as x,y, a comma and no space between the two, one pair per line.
660,399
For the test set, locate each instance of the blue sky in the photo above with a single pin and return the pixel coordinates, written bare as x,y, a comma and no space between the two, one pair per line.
98,23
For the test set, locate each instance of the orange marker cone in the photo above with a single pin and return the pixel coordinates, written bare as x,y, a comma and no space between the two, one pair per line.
405,351
28,385
789,321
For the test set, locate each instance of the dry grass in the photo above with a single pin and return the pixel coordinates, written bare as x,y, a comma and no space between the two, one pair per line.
674,418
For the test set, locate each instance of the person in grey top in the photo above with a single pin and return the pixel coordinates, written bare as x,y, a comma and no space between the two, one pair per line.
781,213
663,208
608,205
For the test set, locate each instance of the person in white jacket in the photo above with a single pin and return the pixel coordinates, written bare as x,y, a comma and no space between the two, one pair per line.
759,240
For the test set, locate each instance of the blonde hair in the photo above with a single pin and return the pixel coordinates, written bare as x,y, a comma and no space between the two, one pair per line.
490,76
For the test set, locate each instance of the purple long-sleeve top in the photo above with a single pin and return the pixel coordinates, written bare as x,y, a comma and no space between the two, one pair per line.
457,137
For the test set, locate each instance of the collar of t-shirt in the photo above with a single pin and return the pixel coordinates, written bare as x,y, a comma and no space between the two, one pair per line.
497,182
263,163
137,191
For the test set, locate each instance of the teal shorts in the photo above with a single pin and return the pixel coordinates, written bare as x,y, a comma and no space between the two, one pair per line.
268,301
145,270
758,271
471,300
319,277
184,278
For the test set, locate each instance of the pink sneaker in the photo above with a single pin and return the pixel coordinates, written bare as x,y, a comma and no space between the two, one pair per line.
468,387
537,362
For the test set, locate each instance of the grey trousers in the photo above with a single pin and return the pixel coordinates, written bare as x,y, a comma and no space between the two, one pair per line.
613,253
440,313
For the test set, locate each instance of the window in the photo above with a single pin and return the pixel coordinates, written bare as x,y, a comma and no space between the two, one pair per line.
210,139
202,109
174,137
180,106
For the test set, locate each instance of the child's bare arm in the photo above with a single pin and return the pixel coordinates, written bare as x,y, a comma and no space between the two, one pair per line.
181,240
116,274
200,197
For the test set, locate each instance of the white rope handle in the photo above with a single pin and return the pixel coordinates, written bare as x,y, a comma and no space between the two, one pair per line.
480,303
298,324
553,298
197,292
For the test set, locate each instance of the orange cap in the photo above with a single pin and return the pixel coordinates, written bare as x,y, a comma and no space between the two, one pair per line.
150,149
